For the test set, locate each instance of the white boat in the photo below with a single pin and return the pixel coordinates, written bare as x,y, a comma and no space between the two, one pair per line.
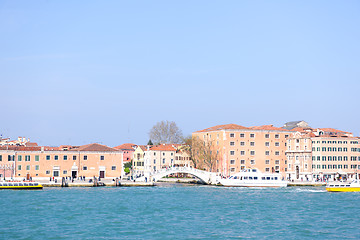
254,178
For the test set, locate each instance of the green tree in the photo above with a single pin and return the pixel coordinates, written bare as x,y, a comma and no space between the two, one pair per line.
150,143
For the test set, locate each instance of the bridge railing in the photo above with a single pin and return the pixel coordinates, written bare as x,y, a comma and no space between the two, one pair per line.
180,169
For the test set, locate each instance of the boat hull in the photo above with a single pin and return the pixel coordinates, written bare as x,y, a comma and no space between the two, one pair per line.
20,186
231,183
343,189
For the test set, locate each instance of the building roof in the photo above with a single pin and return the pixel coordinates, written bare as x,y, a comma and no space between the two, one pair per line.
126,146
94,147
294,124
163,147
331,130
224,127
142,147
270,128
31,144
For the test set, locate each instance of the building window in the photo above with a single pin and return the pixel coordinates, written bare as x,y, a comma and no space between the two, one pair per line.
84,168
277,153
74,157
267,161
163,154
252,135
252,162
232,161
267,135
242,153
277,144
47,172
27,167
252,143
27,158
242,135
267,153
65,157
242,161
267,144
37,167
47,157
102,157
154,161
267,169
232,135
163,160
19,167
85,157
232,143
277,161
56,157
276,135
232,152
65,172
56,173
242,143
252,152
36,158
113,168
232,169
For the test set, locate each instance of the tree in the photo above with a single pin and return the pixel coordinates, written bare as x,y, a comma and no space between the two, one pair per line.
150,143
127,166
166,132
203,153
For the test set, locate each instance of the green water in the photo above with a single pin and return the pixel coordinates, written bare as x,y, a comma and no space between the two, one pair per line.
173,211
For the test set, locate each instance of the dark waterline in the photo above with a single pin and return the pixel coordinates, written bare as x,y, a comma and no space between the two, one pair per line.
176,211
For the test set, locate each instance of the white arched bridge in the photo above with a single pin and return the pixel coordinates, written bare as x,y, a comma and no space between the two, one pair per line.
204,176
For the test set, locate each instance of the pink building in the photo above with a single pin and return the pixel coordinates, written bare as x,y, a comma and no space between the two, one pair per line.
128,150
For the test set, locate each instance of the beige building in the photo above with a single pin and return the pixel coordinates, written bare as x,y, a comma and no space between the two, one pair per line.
237,147
299,156
148,159
92,160
326,153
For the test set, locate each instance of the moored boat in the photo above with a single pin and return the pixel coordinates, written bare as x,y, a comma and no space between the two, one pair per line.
20,185
353,186
254,178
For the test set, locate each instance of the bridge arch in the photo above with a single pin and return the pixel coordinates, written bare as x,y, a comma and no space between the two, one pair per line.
204,176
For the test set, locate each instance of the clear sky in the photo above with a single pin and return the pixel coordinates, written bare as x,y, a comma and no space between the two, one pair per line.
77,72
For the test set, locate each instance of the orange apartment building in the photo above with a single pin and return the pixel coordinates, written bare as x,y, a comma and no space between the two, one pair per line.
238,147
92,160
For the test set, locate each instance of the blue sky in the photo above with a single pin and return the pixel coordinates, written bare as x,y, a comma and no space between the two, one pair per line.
76,72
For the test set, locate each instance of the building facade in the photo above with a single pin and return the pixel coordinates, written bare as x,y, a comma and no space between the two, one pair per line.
92,160
238,147
128,150
151,158
323,154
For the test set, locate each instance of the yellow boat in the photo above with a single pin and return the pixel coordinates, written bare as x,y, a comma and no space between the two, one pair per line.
20,185
353,186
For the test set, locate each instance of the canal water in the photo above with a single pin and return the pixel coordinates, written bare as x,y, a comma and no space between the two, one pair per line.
176,211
